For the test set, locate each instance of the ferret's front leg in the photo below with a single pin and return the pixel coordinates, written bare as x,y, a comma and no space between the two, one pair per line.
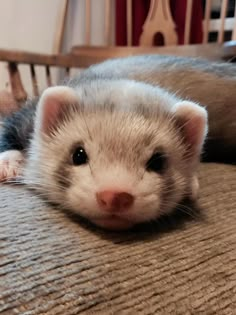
11,163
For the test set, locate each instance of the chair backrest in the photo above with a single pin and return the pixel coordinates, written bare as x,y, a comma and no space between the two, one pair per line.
158,19
15,59
82,57
218,17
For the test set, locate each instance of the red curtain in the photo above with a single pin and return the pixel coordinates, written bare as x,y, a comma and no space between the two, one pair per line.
140,10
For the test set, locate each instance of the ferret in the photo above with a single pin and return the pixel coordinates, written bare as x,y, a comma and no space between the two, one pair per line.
120,144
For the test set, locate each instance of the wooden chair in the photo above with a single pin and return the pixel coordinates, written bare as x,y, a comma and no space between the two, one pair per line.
84,56
159,20
15,58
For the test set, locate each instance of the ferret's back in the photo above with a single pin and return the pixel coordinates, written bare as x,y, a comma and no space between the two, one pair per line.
149,67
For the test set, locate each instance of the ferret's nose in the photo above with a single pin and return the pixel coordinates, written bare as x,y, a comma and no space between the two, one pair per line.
114,201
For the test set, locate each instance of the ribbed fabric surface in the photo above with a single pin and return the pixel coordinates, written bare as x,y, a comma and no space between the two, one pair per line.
52,263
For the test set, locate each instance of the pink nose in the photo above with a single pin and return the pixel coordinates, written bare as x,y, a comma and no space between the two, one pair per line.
114,201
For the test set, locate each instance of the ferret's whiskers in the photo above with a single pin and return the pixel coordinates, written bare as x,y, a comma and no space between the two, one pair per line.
187,210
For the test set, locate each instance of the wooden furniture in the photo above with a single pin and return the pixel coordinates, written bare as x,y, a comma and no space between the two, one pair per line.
16,58
158,20
88,56
82,57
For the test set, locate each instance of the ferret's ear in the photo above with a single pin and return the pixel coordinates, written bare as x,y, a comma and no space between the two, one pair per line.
192,119
52,107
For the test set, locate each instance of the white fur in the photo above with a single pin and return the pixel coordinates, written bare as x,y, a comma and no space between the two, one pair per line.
118,148
191,112
11,163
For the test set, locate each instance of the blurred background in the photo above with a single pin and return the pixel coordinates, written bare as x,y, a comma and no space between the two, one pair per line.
92,27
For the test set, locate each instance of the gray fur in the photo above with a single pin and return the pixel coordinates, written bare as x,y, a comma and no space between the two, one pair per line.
17,129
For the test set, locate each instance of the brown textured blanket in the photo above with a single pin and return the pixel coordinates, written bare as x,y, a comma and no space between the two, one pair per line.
51,263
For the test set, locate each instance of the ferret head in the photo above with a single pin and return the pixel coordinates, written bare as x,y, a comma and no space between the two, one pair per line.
117,153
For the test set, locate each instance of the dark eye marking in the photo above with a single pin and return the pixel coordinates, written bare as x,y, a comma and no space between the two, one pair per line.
79,156
157,163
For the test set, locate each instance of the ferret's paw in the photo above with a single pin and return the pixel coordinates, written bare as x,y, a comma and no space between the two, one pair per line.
11,163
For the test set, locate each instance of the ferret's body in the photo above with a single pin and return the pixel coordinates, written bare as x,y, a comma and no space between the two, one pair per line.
210,84
120,144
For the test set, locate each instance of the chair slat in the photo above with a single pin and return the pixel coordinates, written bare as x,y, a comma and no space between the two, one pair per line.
60,29
48,76
129,22
207,20
34,80
107,32
234,29
87,22
188,18
223,11
67,69
17,88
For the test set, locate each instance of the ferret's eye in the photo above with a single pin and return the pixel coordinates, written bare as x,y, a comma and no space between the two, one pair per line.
157,163
80,156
